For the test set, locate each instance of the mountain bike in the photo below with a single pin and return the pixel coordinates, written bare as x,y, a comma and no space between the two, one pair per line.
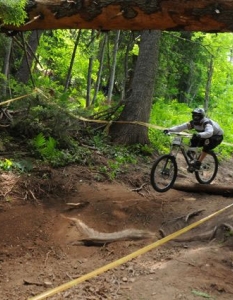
164,171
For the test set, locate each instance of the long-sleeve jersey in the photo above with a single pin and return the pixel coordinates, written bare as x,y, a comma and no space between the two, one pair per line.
206,128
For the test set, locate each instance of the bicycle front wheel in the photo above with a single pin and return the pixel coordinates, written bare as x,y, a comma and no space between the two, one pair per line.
208,170
163,173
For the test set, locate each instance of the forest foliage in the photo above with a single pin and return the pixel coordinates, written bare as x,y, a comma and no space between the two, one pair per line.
12,12
68,74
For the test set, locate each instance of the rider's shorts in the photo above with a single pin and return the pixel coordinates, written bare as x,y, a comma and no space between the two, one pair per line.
208,144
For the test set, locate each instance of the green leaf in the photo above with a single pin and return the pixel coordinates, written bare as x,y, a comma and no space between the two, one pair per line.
12,11
39,141
201,294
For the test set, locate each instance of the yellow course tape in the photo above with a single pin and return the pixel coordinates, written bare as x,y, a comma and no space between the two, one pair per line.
109,123
125,259
15,99
122,122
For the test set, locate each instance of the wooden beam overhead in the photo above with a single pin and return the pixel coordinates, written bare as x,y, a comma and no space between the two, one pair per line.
171,15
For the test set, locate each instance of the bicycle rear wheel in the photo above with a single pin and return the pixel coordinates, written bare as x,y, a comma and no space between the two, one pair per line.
208,170
163,173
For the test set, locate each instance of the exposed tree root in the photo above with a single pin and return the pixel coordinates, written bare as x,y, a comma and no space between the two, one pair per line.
178,223
96,238
224,229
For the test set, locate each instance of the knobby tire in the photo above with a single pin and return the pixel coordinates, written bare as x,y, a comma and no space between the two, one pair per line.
164,173
209,169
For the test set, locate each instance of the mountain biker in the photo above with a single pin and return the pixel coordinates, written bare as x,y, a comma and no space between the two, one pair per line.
209,134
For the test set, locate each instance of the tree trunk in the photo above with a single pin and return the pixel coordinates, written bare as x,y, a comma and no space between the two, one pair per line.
138,105
89,81
6,67
24,72
72,61
89,73
101,61
129,47
113,68
185,70
208,83
176,15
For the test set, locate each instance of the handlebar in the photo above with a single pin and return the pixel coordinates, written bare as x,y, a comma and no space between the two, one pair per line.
184,134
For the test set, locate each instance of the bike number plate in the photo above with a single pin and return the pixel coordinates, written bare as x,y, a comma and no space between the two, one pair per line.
177,140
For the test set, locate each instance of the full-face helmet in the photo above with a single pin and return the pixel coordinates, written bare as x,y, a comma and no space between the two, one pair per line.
197,115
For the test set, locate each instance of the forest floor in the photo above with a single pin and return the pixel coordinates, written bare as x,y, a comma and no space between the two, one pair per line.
39,248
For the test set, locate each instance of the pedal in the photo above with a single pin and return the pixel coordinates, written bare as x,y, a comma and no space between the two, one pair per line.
190,169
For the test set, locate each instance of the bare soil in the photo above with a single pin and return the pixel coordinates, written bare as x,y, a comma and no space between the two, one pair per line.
39,248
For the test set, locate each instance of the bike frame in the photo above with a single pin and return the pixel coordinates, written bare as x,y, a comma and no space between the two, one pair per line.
177,145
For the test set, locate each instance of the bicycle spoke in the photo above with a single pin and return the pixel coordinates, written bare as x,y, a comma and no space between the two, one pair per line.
163,174
208,170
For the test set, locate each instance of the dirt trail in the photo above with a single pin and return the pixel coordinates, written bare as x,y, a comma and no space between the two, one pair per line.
38,249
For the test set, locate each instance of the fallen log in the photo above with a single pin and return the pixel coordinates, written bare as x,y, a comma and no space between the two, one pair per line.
214,189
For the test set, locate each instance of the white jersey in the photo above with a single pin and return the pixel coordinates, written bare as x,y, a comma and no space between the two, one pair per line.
206,128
